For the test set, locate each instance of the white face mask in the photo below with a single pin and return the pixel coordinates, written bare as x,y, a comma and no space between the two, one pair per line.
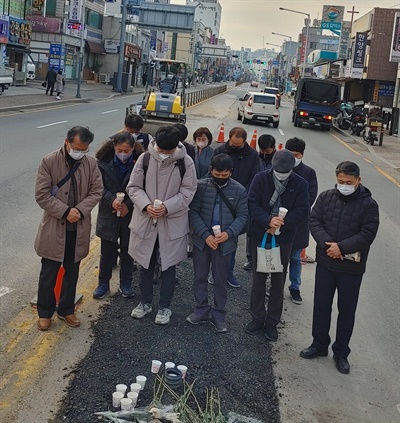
282,176
297,161
345,189
164,156
201,144
76,154
123,156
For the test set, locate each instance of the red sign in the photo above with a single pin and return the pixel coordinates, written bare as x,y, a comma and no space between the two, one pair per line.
303,49
132,51
41,24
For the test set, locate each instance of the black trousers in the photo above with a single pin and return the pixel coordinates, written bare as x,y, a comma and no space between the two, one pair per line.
348,288
50,87
46,303
272,315
109,251
168,280
220,267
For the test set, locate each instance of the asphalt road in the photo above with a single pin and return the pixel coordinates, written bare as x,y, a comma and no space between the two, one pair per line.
368,394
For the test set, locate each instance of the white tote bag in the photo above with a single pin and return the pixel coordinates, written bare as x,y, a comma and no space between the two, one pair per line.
269,259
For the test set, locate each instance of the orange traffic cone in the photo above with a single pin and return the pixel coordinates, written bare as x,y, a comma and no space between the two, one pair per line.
59,281
253,142
280,146
221,135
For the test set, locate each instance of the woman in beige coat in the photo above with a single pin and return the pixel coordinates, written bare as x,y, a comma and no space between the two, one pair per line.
164,173
59,88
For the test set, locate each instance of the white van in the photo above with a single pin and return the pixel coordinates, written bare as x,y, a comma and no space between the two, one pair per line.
259,107
30,68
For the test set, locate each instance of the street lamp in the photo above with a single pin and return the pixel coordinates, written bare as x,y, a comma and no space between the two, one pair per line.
306,41
289,55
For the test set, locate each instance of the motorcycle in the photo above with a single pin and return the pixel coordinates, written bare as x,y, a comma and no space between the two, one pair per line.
371,131
357,121
344,117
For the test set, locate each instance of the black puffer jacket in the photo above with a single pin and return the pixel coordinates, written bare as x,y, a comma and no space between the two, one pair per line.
109,224
350,221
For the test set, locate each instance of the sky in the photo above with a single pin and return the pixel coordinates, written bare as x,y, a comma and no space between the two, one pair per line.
249,23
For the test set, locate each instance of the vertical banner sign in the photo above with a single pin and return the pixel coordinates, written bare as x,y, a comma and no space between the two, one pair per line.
75,10
4,24
395,45
303,49
57,56
360,47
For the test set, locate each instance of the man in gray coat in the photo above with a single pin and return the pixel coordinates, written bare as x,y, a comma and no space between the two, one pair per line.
162,185
217,215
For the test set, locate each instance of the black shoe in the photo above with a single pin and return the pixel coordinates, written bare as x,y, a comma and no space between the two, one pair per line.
271,332
296,297
248,265
312,352
219,325
342,364
253,327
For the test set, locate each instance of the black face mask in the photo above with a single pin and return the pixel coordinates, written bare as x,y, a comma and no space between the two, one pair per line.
220,181
267,156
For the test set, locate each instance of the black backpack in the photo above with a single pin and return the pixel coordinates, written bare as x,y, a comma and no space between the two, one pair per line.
145,165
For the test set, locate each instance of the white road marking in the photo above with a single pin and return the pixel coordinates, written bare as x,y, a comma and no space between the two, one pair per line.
51,124
109,111
4,290
281,132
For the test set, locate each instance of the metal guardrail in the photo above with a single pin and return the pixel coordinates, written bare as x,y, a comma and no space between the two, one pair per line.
195,97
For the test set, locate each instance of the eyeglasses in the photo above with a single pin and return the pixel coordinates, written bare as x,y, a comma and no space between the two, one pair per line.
77,149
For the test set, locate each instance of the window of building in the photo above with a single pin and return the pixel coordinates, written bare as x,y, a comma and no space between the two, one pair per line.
51,7
94,19
313,45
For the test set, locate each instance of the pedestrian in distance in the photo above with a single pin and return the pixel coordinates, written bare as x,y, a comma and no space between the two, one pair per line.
220,201
246,165
302,238
134,125
116,158
165,173
203,152
59,87
68,187
50,79
270,190
184,133
344,222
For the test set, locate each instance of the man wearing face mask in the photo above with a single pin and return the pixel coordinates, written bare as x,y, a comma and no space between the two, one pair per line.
266,144
68,186
220,201
301,240
270,190
344,222
246,165
134,124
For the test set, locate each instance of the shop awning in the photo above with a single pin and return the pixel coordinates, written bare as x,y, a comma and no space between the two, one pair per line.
18,49
96,48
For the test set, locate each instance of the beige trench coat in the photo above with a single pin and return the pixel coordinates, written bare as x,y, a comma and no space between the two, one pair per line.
50,239
163,182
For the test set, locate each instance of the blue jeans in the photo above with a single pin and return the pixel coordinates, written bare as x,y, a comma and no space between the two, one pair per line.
295,269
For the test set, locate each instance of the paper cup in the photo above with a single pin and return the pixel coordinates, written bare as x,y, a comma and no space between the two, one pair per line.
216,229
157,203
169,365
134,397
136,387
126,404
121,388
155,366
183,370
141,380
117,397
282,212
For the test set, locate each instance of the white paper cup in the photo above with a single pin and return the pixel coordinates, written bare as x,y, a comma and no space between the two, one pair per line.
157,204
141,380
117,397
169,365
216,229
155,366
183,370
282,212
134,397
121,388
136,387
126,404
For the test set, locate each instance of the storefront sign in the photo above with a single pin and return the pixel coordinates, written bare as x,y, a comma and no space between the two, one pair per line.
20,32
38,7
395,46
111,46
132,51
4,25
303,49
360,47
386,90
56,56
75,10
41,24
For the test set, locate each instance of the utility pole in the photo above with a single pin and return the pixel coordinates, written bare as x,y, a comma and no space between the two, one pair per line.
121,46
81,52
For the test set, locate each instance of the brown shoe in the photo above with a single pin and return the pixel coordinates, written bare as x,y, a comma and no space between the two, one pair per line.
71,320
44,323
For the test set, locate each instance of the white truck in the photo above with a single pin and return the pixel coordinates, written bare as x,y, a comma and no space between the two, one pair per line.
6,78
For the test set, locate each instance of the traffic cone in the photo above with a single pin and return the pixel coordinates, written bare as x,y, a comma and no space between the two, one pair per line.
221,135
59,282
280,146
253,142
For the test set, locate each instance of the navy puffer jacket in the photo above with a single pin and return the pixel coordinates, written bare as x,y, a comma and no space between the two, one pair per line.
202,208
351,221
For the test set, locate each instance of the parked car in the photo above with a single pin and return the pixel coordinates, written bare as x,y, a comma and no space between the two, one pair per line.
254,84
259,107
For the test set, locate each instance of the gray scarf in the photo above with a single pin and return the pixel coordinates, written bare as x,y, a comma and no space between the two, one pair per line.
275,201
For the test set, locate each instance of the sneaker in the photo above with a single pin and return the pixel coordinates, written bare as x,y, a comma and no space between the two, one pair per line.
141,310
308,259
163,316
271,333
253,327
219,326
296,297
58,97
195,319
233,282
100,292
248,265
126,292
211,280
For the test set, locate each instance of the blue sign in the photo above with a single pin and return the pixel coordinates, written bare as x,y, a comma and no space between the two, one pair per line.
331,25
134,2
56,56
275,62
153,40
